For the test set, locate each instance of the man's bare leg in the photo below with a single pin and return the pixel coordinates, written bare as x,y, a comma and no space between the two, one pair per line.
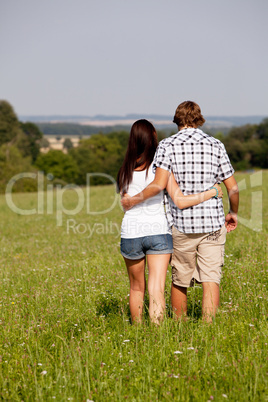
211,300
179,300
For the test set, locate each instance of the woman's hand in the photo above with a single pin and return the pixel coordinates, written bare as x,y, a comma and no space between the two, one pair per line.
126,202
218,187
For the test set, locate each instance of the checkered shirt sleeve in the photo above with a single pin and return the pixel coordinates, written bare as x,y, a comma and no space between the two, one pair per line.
225,168
162,158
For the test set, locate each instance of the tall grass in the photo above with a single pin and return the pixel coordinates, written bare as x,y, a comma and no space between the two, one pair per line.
65,326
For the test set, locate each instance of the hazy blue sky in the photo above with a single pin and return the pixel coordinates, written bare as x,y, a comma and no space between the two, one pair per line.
134,56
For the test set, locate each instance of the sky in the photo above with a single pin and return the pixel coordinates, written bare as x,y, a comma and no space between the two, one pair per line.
114,57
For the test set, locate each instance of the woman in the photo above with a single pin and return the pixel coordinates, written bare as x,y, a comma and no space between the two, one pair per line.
145,231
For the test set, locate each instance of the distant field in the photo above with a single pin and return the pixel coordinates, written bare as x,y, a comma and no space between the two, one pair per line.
57,142
65,327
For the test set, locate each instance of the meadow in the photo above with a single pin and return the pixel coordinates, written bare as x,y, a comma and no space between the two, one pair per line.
65,327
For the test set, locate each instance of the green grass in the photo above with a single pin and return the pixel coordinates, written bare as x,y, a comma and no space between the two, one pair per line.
65,326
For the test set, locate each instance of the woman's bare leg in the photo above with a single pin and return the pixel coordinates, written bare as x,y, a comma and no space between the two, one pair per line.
157,266
136,273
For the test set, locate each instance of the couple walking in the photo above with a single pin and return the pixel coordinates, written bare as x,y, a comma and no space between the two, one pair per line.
173,208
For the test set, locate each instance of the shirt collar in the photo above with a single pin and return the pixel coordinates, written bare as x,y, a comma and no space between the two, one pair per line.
187,133
190,130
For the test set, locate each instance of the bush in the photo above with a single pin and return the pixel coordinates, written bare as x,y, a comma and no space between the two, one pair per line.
12,163
60,165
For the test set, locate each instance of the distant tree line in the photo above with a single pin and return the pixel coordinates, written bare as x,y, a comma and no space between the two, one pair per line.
19,148
79,130
247,146
20,143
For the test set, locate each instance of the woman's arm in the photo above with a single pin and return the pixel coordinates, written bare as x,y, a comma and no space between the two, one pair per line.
163,179
185,201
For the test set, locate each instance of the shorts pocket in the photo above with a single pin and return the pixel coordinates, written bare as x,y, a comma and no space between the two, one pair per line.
127,246
159,243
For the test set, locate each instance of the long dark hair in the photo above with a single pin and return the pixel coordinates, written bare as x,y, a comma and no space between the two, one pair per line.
141,148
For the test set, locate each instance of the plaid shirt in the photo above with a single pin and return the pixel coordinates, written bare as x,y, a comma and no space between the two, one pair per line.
198,161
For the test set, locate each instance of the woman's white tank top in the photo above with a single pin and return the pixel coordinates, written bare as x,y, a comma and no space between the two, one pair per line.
147,218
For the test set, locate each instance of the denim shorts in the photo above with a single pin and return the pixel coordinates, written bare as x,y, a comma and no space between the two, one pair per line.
137,248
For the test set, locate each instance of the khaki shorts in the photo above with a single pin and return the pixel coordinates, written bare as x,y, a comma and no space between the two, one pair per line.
199,256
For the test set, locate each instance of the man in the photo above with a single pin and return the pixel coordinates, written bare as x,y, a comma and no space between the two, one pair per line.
197,161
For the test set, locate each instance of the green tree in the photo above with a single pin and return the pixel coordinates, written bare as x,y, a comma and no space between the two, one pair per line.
29,141
68,144
98,154
237,151
9,123
247,146
12,163
243,133
44,143
257,152
60,165
122,137
261,156
262,130
219,136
